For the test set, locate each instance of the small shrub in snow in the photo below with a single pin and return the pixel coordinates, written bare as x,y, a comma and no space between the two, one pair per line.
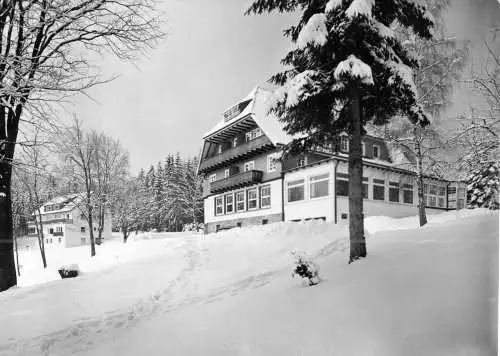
193,227
306,269
69,271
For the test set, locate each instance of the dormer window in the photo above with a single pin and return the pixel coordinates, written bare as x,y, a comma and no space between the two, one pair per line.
363,149
376,151
252,135
344,144
219,149
235,141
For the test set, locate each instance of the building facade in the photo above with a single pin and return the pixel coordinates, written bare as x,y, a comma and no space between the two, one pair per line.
64,224
245,184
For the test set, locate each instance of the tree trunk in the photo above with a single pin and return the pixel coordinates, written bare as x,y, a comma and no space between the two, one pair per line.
356,224
420,186
17,255
101,222
8,276
91,231
125,233
41,241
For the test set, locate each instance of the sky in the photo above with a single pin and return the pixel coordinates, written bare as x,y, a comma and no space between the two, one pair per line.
212,57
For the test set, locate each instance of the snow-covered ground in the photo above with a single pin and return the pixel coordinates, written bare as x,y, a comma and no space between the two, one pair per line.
420,291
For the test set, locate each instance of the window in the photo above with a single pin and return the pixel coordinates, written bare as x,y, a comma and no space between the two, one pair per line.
83,240
252,198
432,195
229,203
318,186
249,166
31,230
51,231
378,189
295,190
219,148
301,161
365,188
252,135
240,201
219,206
363,149
59,229
235,141
408,193
265,196
226,173
47,241
342,185
394,192
59,240
344,144
265,221
82,229
272,162
238,224
376,151
212,178
441,196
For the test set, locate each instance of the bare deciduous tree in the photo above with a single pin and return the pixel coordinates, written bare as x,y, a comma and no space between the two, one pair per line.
45,49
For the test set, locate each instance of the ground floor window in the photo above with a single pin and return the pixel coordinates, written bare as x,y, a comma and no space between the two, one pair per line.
240,201
229,203
394,192
265,196
441,197
296,190
408,193
318,186
219,206
378,189
83,240
342,185
365,188
252,198
82,229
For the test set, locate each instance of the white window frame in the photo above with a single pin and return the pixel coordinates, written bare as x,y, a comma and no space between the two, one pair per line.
216,205
394,185
342,177
300,182
344,143
253,134
366,181
378,184
256,198
378,151
248,164
272,163
226,204
226,173
318,178
262,196
236,201
408,188
212,178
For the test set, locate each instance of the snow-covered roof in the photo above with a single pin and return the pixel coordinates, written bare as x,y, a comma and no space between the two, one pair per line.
67,203
257,108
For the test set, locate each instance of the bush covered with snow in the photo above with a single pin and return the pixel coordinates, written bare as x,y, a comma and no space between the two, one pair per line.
69,271
194,227
305,268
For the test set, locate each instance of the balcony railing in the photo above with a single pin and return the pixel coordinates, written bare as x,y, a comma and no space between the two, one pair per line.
237,181
51,221
246,150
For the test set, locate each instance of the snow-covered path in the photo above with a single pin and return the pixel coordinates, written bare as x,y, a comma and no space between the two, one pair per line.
420,291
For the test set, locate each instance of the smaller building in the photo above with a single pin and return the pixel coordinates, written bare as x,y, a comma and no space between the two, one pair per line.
64,223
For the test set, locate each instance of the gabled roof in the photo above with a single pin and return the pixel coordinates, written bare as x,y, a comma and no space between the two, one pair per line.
257,108
68,202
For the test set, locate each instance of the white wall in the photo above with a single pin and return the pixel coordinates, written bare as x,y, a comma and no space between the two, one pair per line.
310,208
276,201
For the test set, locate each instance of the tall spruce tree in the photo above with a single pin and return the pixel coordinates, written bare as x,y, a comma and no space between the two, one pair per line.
347,68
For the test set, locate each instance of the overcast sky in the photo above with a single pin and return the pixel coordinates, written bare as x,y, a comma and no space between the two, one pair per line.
212,57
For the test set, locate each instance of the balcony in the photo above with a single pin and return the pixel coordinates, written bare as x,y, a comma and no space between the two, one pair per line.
237,181
244,151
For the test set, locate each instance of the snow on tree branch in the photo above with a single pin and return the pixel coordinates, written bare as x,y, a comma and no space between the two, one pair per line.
314,32
360,7
353,67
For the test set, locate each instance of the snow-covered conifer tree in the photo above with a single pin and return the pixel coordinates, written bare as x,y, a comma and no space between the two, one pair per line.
482,187
346,69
